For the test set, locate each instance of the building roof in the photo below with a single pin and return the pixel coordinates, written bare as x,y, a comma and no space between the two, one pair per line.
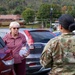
12,17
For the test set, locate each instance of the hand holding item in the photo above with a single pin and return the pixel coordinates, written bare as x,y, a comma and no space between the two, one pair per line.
24,51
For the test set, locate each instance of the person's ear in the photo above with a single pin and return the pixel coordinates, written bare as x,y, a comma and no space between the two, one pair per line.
60,26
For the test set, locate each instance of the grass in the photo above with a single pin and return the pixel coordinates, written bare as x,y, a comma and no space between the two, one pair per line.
33,26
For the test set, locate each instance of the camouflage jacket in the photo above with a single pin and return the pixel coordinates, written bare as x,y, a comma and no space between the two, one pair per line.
59,55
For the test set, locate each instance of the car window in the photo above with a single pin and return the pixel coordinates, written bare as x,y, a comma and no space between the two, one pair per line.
41,36
2,44
2,34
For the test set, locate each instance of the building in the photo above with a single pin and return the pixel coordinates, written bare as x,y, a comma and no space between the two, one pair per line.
6,19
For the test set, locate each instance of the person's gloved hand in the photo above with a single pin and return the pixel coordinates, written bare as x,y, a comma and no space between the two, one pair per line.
24,52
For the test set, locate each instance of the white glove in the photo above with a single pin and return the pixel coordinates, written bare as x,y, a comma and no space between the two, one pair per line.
24,51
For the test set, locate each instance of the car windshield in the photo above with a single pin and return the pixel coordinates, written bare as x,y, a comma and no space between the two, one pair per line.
41,36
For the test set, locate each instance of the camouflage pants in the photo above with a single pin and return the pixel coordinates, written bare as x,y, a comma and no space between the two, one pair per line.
62,73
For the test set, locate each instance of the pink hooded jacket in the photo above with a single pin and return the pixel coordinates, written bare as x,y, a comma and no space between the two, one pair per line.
15,45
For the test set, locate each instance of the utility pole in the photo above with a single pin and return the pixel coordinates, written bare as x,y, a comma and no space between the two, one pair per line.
51,13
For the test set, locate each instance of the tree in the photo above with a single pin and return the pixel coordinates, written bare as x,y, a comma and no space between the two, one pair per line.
18,10
72,11
3,10
28,15
56,10
47,12
43,13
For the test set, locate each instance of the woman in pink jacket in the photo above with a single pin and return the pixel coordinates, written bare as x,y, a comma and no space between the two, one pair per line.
15,41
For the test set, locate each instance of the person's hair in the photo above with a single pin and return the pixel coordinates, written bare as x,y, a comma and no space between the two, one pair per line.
14,24
67,22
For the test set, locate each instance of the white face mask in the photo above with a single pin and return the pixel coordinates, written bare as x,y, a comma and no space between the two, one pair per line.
58,28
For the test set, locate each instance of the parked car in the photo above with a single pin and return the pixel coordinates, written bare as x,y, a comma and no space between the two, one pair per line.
36,39
6,60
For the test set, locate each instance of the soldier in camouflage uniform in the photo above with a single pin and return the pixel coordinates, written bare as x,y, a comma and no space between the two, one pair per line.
59,52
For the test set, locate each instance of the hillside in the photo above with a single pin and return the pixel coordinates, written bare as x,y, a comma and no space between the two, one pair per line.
12,5
36,3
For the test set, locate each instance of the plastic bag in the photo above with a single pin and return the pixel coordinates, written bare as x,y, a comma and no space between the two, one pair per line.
24,51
